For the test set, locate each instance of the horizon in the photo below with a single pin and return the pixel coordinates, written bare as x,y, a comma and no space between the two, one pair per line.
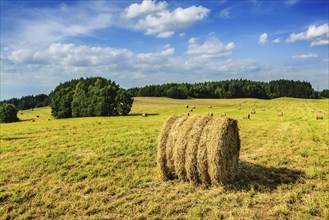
139,43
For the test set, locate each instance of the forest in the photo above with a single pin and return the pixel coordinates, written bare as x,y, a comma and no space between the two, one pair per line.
235,88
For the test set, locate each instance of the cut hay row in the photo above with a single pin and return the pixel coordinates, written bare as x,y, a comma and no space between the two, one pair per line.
199,149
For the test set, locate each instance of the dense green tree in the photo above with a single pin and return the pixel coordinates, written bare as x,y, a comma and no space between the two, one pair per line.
89,97
325,93
8,113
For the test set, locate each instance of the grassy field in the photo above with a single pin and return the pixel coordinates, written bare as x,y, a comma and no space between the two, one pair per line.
105,167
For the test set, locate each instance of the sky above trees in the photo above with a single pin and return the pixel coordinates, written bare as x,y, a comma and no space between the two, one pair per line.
136,43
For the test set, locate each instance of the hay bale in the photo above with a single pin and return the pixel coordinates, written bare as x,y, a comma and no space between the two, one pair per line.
144,115
37,116
223,115
210,114
171,141
199,149
191,110
191,160
253,111
210,106
319,117
188,114
161,155
194,107
279,114
186,106
246,116
33,120
48,119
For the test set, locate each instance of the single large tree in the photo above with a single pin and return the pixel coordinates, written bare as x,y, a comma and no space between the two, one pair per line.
8,113
89,97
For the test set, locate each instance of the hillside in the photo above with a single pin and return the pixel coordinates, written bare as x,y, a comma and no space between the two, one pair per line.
105,167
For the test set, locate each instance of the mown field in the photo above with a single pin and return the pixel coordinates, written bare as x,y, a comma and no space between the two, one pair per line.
105,167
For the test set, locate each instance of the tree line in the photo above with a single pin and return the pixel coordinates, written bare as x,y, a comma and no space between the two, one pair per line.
235,88
28,102
97,96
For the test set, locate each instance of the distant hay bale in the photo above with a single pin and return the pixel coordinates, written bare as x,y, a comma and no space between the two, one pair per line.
199,149
223,115
186,106
253,111
188,114
191,110
194,107
21,113
48,119
210,114
239,108
279,114
37,116
33,120
319,117
210,106
246,116
144,115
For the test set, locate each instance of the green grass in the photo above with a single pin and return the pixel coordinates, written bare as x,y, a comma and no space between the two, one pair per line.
105,167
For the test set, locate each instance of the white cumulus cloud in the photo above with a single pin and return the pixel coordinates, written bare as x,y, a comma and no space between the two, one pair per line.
306,56
164,23
318,35
277,40
211,48
263,38
144,8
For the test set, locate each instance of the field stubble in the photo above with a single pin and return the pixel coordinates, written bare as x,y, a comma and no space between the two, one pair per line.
105,167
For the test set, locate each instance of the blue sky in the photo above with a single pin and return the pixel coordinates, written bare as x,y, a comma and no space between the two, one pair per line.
136,43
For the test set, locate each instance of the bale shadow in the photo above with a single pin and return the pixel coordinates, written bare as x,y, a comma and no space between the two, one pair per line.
140,114
13,138
263,178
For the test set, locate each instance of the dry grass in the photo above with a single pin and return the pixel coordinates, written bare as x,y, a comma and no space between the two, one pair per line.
105,167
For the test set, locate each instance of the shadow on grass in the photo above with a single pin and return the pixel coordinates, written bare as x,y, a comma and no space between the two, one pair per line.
140,114
13,138
263,178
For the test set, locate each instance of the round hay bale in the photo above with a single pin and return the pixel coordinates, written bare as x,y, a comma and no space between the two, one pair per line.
199,149
188,114
171,141
246,116
191,110
37,116
186,106
194,137
161,155
223,115
210,114
144,115
319,117
253,111
179,150
210,106
279,114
